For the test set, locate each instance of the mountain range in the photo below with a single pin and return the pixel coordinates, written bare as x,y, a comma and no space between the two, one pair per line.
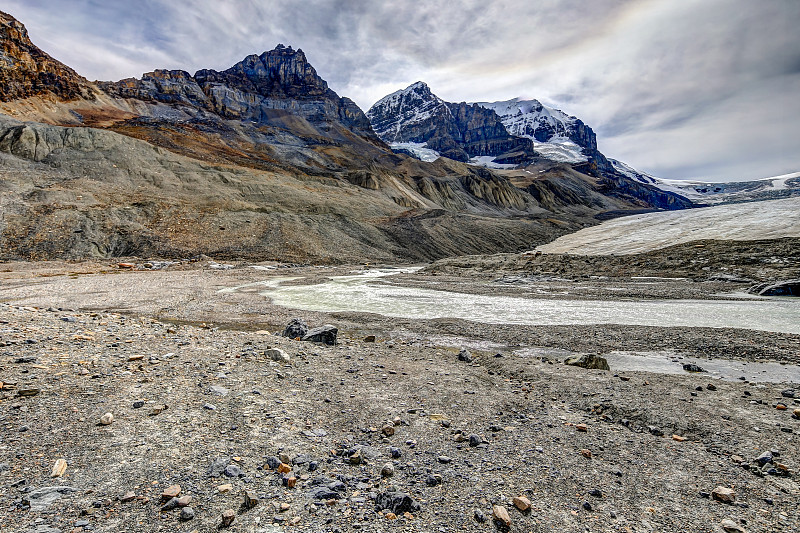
264,160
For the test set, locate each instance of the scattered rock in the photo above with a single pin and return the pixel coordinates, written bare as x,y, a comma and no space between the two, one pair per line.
586,453
582,427
107,419
501,515
369,338
228,516
790,393
764,458
296,329
397,502
691,367
187,513
723,494
171,492
40,499
276,354
59,468
387,470
464,355
522,503
250,499
324,334
711,387
678,438
731,527
128,497
591,361
388,430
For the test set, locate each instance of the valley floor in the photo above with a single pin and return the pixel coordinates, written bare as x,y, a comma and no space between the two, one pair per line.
181,366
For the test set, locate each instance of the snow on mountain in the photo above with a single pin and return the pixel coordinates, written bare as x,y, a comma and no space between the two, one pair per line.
556,135
397,111
561,149
529,118
418,150
772,219
785,186
489,162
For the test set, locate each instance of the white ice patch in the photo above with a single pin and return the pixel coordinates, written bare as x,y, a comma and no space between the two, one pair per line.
419,150
488,162
773,219
560,149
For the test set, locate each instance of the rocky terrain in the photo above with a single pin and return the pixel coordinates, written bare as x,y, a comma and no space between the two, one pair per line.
404,425
148,382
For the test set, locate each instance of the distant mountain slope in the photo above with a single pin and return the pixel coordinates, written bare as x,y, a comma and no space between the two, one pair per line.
711,193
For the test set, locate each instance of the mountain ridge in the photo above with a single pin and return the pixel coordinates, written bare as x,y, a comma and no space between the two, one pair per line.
260,160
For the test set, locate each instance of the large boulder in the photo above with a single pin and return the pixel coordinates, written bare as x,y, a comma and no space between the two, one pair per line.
296,329
782,288
325,334
397,502
588,360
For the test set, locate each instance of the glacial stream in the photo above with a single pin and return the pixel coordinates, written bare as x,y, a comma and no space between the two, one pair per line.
368,292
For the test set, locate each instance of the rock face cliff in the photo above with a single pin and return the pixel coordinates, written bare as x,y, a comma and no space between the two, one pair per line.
457,131
27,71
278,80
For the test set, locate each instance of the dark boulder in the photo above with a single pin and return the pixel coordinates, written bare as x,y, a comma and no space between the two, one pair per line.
296,329
588,361
397,502
325,334
691,367
782,288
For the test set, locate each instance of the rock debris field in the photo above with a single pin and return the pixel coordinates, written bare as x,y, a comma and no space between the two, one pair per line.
123,422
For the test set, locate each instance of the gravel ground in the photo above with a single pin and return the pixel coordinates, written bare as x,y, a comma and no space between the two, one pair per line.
197,403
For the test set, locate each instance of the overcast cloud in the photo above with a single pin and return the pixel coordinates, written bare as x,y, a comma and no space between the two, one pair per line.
677,88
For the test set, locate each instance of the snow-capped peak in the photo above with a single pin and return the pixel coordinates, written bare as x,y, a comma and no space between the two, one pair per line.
556,135
403,109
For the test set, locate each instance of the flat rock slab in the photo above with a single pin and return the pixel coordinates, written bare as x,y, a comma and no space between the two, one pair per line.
325,334
40,499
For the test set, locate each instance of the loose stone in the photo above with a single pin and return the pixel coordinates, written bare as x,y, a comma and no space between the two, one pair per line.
723,494
522,503
250,499
171,492
731,527
187,513
387,470
59,468
228,516
501,515
106,419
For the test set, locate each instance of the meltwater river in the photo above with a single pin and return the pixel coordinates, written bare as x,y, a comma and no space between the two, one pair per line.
370,292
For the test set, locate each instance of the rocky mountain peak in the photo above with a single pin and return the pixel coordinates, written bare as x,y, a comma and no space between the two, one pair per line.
395,116
282,71
531,119
27,71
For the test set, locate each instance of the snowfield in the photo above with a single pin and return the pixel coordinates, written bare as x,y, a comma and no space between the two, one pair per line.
771,219
419,150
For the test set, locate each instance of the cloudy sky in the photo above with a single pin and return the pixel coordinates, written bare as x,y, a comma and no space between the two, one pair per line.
678,88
